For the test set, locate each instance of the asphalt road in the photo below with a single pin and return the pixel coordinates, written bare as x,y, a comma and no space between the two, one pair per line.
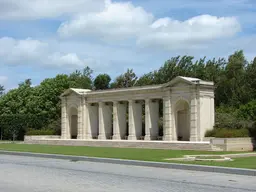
27,174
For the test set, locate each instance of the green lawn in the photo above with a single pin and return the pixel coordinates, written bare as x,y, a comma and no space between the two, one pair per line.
244,162
128,153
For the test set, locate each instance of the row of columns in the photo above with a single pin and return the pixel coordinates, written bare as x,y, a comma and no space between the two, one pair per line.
99,120
95,120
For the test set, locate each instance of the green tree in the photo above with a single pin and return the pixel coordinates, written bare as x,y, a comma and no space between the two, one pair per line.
81,79
2,89
102,82
128,79
236,86
147,79
251,79
16,100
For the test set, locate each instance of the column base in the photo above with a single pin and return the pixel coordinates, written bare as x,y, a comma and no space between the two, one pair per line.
150,138
147,138
80,137
88,137
193,138
102,137
65,137
132,137
167,138
116,137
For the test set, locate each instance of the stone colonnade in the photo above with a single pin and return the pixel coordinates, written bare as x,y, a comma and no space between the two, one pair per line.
188,112
108,120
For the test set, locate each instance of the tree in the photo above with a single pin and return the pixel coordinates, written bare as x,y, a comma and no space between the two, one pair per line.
146,79
236,88
16,100
1,90
102,81
128,79
251,79
82,80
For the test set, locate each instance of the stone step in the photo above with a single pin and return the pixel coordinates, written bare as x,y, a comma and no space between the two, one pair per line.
127,144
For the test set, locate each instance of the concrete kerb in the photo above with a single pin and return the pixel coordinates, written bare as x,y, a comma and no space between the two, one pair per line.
237,171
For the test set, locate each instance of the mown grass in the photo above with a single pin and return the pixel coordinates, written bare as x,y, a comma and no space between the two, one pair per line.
128,153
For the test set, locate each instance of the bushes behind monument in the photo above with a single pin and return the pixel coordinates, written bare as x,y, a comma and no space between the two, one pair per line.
15,126
232,122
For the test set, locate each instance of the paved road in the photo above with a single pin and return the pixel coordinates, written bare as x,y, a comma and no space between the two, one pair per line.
26,174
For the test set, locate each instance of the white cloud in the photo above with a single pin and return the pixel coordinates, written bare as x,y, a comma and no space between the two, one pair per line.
107,20
118,20
13,51
37,9
35,52
121,20
70,59
194,32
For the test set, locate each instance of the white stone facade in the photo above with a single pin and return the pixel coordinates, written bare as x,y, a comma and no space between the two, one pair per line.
118,114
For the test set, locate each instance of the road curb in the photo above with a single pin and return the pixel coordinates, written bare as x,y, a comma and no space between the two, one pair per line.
237,171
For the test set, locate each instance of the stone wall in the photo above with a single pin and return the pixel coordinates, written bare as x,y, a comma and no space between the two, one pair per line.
234,144
215,144
203,146
40,137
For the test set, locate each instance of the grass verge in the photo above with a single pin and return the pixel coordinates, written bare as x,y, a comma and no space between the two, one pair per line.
156,155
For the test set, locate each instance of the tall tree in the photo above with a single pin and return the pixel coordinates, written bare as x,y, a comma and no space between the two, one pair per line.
102,82
128,79
81,79
2,89
16,100
235,79
251,79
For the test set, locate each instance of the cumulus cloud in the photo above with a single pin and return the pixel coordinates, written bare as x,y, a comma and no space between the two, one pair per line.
121,20
30,51
105,19
37,9
118,20
175,34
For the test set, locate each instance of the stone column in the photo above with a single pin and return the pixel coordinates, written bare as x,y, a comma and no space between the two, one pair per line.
194,132
102,135
80,120
105,121
85,119
151,119
167,117
135,120
92,121
119,120
65,133
88,131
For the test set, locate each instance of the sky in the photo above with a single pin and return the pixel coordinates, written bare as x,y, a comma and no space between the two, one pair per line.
42,38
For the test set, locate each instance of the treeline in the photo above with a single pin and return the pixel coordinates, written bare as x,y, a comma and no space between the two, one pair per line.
235,93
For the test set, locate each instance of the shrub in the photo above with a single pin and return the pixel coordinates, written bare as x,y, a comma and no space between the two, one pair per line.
227,133
210,133
13,126
40,132
248,111
252,130
54,125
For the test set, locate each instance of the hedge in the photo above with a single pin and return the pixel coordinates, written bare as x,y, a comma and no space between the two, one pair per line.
14,126
228,133
40,132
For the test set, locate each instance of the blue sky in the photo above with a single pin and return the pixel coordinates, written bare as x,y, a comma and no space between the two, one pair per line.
42,38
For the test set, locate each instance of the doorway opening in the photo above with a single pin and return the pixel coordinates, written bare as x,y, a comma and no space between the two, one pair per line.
182,121
73,122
